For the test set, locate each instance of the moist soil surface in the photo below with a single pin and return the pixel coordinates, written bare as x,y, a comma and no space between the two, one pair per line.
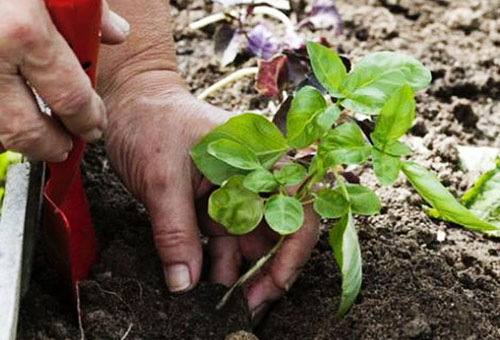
415,286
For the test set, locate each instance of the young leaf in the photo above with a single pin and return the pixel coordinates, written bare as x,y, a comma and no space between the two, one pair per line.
483,199
386,167
346,250
251,130
306,105
395,118
363,200
376,76
260,180
344,145
234,154
330,204
327,67
284,214
290,174
449,209
235,207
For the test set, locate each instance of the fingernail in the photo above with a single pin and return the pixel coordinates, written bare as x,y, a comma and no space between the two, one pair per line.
92,135
120,23
178,277
258,313
291,280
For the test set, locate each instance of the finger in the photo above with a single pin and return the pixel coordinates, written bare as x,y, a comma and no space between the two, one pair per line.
226,259
115,29
52,69
24,129
176,234
286,265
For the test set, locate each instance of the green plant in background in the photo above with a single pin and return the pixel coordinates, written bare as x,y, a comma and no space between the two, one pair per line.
6,159
322,136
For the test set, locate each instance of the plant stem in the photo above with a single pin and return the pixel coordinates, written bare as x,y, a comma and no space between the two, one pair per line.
340,180
251,272
263,10
244,72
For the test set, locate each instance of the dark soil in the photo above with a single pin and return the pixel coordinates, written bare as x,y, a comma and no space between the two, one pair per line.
415,287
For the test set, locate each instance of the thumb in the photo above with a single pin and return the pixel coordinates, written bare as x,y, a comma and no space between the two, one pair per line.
115,29
177,238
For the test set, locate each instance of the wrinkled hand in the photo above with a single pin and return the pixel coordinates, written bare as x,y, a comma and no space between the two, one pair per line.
153,124
32,50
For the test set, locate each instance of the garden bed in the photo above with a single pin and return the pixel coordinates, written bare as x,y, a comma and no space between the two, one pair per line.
423,279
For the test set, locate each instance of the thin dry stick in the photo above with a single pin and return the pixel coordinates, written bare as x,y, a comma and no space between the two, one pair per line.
251,272
79,312
244,72
127,332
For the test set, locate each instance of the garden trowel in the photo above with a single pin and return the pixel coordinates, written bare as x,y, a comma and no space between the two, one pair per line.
68,228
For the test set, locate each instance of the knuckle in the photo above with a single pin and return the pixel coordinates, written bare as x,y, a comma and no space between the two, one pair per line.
24,34
172,237
21,137
70,102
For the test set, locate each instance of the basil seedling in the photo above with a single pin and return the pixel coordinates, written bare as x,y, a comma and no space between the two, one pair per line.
241,155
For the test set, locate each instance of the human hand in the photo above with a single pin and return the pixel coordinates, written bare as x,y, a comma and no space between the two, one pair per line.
32,51
153,123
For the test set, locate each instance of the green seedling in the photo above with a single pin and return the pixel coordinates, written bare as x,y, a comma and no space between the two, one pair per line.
322,137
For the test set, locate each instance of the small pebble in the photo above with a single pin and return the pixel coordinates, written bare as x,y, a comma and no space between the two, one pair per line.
241,335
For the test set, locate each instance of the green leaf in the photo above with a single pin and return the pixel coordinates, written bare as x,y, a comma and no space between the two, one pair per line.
330,204
397,148
439,198
363,200
327,67
346,250
395,118
483,199
386,167
234,154
376,76
325,119
284,214
344,145
290,174
235,207
254,131
260,180
307,104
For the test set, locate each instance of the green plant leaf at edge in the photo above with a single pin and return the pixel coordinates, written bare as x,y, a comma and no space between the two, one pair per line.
252,130
483,199
344,242
284,214
238,209
439,198
328,68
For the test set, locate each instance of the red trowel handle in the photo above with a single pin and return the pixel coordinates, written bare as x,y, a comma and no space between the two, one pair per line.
68,229
79,21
